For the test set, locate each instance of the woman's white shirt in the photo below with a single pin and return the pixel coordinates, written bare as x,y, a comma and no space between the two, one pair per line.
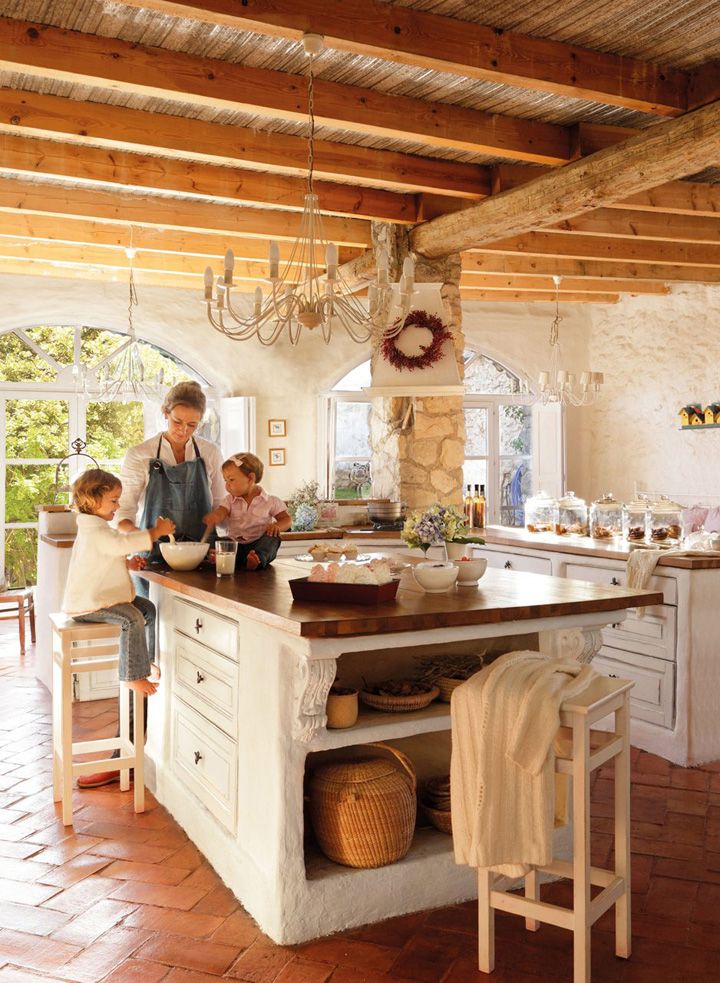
98,576
134,473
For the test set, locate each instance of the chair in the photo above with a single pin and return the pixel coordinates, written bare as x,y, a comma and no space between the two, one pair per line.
581,751
23,599
90,647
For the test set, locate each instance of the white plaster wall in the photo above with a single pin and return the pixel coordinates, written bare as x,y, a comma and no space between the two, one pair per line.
658,353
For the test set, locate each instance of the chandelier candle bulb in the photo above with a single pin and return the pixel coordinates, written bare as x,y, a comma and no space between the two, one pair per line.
382,268
229,266
209,278
258,300
220,294
274,261
331,260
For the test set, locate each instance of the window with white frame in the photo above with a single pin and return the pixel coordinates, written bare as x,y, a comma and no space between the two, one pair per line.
45,404
499,425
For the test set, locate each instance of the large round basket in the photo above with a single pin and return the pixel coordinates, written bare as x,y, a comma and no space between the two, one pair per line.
440,818
363,811
400,704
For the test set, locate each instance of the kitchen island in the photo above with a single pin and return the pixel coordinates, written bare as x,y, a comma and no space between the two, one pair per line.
239,721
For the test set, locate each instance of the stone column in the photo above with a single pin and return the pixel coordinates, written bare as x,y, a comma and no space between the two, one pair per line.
418,443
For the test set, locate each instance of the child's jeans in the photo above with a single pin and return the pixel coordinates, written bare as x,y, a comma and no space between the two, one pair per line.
137,642
266,548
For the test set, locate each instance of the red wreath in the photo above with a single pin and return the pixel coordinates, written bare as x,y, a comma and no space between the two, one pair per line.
429,353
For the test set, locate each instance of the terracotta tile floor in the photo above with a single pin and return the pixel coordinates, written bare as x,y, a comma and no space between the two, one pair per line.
124,898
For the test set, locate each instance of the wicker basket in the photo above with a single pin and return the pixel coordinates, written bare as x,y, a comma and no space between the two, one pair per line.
447,686
400,704
439,818
363,812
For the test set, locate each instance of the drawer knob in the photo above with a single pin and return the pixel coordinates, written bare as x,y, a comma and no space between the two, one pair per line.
198,757
198,625
200,676
612,675
508,565
615,582
615,624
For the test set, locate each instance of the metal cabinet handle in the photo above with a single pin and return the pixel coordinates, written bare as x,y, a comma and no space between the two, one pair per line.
198,757
200,676
508,565
198,625
615,582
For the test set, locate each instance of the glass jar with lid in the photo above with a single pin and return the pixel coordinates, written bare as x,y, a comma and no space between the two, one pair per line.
634,520
665,521
572,516
541,513
605,517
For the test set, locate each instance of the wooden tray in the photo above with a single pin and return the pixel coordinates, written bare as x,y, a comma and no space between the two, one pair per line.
303,589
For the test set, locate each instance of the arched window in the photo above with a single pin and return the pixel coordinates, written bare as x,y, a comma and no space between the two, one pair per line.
45,404
498,445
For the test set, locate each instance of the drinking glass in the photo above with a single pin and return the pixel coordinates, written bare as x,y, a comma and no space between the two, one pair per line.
225,553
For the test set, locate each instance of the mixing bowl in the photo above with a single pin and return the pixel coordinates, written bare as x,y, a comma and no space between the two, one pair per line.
435,577
184,556
470,571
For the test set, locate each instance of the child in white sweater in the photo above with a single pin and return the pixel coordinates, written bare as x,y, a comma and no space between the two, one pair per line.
99,586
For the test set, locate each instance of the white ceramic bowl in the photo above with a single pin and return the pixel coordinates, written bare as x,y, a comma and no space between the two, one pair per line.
184,556
435,577
470,571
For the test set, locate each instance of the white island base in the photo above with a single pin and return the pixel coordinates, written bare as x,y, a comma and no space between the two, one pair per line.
241,713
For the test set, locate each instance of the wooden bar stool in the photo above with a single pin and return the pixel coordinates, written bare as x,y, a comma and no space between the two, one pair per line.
581,751
23,599
91,647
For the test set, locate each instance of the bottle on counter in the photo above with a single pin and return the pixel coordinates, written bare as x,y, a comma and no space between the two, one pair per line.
479,508
475,507
468,505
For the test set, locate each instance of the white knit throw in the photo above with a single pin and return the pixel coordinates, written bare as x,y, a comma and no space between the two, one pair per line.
502,770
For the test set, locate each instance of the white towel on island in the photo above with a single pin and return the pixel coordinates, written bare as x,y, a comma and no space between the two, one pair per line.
502,770
642,562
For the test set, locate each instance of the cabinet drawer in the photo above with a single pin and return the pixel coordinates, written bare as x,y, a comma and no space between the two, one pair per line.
518,561
207,627
618,578
202,675
205,759
653,634
653,696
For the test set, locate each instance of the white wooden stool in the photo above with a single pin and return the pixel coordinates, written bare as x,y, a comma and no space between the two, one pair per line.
90,647
582,754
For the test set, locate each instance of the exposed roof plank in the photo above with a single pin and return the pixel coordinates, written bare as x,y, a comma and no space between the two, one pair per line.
134,130
522,265
643,225
127,209
414,37
64,55
150,173
547,296
500,281
596,248
664,152
40,268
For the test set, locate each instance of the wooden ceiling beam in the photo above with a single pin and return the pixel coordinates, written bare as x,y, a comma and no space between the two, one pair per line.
536,296
521,266
643,225
659,154
99,124
85,232
704,84
52,198
499,281
71,56
40,268
426,40
142,172
587,247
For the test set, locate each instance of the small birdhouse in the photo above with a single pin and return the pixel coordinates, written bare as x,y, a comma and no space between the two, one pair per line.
712,413
691,415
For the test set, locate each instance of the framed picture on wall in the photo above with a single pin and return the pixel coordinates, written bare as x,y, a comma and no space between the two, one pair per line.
277,428
277,456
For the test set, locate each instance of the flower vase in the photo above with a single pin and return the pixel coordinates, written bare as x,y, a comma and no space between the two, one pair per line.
437,552
456,551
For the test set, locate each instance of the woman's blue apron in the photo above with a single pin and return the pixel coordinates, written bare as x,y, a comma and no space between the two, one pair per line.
180,492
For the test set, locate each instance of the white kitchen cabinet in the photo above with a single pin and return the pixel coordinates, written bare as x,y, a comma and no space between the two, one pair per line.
520,562
653,696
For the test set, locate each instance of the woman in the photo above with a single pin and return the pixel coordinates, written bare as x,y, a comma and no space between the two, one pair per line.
173,474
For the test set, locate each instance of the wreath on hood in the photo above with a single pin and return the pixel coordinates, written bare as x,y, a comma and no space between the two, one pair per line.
429,354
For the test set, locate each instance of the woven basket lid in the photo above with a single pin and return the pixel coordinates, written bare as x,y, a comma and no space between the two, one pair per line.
357,772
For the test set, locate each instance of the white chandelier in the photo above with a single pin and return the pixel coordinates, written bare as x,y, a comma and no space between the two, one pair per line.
122,375
556,385
308,293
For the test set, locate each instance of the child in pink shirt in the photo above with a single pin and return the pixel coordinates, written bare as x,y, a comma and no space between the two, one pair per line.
254,518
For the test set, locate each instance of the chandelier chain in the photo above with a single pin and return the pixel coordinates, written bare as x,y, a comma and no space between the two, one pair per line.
311,127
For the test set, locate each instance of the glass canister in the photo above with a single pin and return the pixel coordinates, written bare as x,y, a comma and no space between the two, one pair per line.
634,520
665,521
541,513
572,516
605,517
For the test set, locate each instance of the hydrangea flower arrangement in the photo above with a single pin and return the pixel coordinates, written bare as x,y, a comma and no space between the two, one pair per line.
432,527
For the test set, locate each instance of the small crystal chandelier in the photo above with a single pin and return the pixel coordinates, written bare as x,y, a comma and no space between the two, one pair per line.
121,375
559,386
306,294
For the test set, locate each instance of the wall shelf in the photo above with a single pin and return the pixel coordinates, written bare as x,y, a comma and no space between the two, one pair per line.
701,426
